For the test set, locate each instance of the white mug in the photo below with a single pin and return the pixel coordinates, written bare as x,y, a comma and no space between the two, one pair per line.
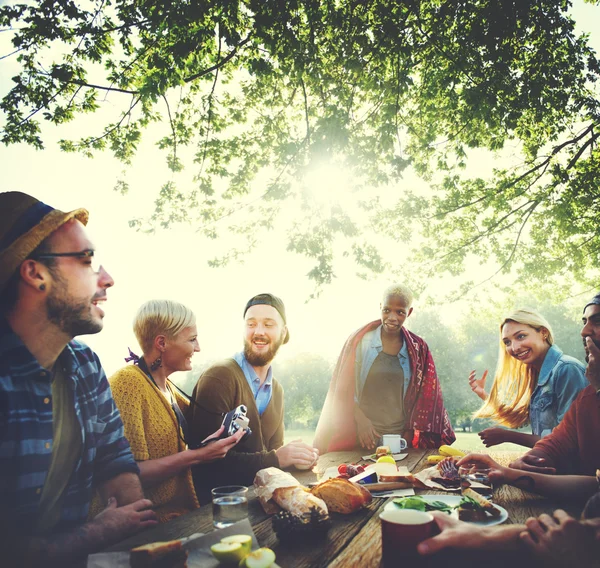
395,442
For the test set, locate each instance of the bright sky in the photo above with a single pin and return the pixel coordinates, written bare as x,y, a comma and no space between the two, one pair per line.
172,264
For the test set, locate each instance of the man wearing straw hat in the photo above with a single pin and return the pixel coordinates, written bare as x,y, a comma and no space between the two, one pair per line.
60,432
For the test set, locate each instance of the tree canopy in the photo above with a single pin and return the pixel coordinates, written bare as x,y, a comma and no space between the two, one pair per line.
245,88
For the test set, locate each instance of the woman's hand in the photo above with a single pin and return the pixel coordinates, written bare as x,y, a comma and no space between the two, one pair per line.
217,450
367,435
478,385
563,541
533,463
495,436
498,473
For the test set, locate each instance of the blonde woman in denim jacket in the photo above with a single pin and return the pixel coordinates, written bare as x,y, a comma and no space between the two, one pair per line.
535,382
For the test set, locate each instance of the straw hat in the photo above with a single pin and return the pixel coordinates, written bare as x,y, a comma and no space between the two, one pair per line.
24,223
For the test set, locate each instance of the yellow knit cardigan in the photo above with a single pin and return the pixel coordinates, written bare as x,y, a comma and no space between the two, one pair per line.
152,431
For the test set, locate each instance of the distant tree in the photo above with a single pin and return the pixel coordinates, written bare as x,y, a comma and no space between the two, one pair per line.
373,86
305,380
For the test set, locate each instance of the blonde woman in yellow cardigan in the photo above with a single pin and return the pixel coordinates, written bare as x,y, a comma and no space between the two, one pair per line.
153,411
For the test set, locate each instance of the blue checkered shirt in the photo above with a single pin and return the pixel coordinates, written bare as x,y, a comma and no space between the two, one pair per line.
26,431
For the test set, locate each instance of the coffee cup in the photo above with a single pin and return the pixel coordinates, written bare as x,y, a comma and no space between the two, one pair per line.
401,532
395,442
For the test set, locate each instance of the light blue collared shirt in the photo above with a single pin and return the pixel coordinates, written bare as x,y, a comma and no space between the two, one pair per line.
560,380
371,346
262,393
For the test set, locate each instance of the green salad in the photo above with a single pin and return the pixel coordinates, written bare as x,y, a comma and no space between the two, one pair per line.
418,503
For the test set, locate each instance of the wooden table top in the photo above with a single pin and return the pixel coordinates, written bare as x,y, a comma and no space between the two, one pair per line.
354,540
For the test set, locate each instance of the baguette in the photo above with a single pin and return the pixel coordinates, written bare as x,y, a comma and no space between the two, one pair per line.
159,555
486,505
298,500
278,490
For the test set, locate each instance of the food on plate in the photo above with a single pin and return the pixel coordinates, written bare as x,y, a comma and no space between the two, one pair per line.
296,528
417,502
244,539
229,552
261,558
278,490
435,459
382,451
471,511
347,470
159,554
450,451
386,459
481,501
448,477
409,479
341,495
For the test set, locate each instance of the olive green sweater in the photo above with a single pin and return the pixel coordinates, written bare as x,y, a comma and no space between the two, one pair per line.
221,388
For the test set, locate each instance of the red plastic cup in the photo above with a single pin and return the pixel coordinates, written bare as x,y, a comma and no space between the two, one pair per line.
401,532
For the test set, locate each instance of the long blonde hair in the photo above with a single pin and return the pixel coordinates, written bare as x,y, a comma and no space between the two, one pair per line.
514,382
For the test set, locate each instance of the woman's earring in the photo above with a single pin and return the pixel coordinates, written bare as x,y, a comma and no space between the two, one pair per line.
156,363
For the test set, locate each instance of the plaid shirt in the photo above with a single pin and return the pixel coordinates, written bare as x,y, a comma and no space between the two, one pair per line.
26,431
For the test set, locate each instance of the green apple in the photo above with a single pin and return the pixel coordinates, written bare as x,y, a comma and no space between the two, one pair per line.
228,552
261,558
244,539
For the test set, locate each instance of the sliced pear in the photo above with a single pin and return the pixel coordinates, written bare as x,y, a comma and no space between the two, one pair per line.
261,558
228,552
244,539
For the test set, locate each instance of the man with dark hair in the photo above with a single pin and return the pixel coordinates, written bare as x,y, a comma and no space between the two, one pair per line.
60,432
247,378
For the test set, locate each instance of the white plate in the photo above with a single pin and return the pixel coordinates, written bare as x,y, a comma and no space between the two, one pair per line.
453,501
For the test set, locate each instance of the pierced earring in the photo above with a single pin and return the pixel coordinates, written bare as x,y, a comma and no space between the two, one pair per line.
156,363
42,287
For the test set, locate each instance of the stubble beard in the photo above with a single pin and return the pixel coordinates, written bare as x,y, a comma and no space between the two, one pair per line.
261,359
70,315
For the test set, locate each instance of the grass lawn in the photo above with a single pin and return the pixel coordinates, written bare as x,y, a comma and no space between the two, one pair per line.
467,441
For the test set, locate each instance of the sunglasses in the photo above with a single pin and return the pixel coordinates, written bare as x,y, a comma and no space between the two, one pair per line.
85,254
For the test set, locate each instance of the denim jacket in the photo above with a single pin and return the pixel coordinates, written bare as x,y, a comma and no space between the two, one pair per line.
370,346
560,380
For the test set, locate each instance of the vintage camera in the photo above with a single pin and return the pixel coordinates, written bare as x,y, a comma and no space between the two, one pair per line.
233,421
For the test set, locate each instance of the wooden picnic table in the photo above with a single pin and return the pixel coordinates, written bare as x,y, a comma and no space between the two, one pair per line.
355,539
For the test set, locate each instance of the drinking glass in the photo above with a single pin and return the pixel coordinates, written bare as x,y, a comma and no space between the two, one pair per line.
473,474
229,505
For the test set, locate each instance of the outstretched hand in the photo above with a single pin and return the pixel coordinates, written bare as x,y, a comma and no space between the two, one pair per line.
478,385
494,436
561,540
116,523
533,463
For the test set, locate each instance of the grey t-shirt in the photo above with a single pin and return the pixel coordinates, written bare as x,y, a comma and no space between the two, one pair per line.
382,398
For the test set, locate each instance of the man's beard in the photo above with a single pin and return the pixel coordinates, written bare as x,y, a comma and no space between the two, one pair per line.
71,316
261,359
587,355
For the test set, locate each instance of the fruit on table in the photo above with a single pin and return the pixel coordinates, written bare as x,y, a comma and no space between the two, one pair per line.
386,459
229,552
261,558
244,539
435,459
450,451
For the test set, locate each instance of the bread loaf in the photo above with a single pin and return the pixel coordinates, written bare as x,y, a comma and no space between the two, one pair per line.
341,495
278,489
159,555
298,500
